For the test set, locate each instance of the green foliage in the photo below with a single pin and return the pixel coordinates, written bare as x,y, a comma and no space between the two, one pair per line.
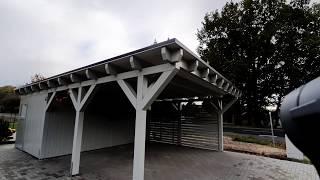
5,132
9,101
6,90
267,48
251,139
13,125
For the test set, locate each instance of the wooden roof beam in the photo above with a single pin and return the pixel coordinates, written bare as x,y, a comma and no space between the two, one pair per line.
234,91
212,78
51,84
43,85
34,88
62,81
220,82
171,57
111,69
91,74
226,86
74,78
202,72
135,63
26,89
230,89
189,66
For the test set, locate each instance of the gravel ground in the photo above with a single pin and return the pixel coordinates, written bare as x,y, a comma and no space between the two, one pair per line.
251,148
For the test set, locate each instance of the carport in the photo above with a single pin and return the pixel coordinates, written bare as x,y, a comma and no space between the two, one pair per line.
95,106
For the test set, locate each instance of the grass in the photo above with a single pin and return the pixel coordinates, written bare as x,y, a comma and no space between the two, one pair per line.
305,160
250,139
253,140
13,125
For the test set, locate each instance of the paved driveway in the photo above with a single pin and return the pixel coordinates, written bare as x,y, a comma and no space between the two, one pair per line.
163,162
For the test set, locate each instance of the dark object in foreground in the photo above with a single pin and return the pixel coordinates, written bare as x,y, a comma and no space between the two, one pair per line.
300,115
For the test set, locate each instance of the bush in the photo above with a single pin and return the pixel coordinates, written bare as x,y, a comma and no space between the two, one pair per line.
5,132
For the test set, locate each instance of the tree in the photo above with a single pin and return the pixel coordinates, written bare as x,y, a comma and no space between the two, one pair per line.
267,48
295,59
37,77
9,101
6,90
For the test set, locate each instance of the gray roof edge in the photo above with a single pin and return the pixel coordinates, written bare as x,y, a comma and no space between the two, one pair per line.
154,46
199,59
132,53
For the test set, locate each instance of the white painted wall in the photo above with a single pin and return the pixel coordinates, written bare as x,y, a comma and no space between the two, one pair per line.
54,137
29,132
20,126
58,134
99,132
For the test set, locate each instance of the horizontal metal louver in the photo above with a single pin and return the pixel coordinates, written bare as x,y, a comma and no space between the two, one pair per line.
199,130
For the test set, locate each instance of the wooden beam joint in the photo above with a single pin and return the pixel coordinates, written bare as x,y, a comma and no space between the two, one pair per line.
111,69
62,81
171,57
91,74
202,72
189,66
135,63
74,78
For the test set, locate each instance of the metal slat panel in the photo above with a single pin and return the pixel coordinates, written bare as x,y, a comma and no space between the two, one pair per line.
199,130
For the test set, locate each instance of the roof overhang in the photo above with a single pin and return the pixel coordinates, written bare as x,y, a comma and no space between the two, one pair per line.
195,77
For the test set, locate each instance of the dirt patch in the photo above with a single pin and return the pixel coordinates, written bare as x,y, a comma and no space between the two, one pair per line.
251,148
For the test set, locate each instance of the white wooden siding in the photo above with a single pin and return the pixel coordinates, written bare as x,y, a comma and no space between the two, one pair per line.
29,139
99,132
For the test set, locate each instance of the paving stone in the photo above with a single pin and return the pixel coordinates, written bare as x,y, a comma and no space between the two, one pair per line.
163,162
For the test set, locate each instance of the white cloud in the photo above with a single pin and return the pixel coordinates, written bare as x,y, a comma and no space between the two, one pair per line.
39,34
50,37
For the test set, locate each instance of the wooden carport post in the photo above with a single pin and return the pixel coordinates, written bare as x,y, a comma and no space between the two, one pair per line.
140,131
79,99
220,122
142,100
221,110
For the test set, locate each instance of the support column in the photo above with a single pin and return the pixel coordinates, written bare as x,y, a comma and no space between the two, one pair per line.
77,141
139,145
79,99
141,100
140,130
220,121
222,110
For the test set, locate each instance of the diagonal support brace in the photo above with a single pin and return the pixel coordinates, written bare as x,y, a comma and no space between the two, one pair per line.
129,91
227,106
157,88
50,100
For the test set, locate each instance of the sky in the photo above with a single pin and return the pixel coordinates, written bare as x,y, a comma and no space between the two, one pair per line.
51,37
